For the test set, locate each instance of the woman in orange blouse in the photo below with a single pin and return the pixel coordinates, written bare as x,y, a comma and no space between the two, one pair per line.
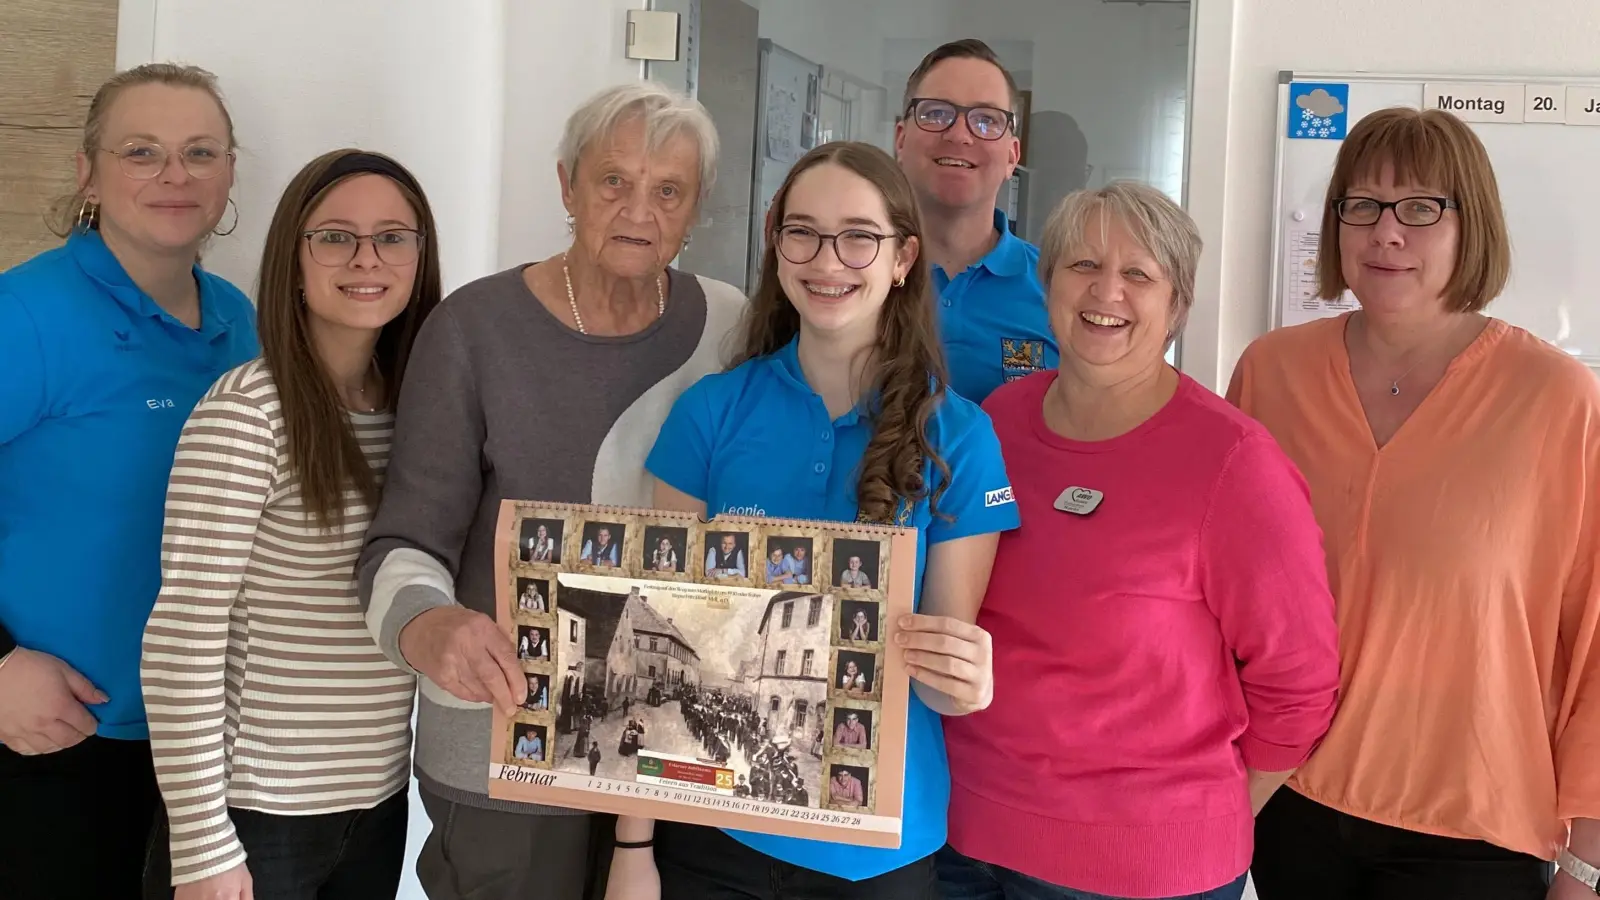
1454,464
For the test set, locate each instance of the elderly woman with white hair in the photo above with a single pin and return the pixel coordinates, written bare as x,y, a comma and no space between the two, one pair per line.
1164,647
548,380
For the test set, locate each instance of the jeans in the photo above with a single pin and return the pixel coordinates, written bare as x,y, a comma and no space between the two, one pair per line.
1307,851
353,855
699,863
76,823
965,878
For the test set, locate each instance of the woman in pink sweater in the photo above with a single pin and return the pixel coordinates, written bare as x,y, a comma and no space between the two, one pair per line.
1165,651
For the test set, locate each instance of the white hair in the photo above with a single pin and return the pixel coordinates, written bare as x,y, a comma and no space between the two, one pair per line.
665,113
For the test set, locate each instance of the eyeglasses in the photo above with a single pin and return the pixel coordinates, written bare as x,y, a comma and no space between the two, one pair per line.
1415,211
855,248
337,247
987,123
143,160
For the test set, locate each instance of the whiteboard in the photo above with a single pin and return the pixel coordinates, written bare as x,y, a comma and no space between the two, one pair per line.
1543,137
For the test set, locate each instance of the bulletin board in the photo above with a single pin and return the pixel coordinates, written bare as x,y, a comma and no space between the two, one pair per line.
1542,137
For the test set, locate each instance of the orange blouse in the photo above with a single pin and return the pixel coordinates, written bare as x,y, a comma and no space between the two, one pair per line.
1462,558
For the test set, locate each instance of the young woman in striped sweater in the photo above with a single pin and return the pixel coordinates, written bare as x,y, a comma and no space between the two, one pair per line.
281,735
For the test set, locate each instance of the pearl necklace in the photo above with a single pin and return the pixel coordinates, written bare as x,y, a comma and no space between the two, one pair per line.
661,296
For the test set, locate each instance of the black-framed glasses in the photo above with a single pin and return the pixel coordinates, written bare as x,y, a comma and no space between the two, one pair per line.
988,123
1415,211
144,160
337,247
857,248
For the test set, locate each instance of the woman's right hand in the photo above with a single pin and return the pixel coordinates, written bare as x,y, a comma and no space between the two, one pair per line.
44,703
233,884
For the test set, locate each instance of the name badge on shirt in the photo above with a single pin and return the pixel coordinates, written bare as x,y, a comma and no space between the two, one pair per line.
1080,501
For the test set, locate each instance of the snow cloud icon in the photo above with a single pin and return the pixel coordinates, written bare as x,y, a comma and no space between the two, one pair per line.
1320,104
1317,110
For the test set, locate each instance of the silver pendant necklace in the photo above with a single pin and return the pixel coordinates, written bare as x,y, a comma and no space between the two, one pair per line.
661,296
1394,385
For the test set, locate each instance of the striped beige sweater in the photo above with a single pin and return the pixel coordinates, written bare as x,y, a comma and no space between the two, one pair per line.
263,687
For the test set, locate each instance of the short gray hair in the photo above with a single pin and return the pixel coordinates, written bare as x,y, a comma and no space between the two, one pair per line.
1160,226
665,113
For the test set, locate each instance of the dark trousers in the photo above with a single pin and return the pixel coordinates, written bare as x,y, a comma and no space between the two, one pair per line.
697,863
77,822
1307,851
353,855
486,854
964,878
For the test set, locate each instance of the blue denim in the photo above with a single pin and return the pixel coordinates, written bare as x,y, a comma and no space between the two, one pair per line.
964,878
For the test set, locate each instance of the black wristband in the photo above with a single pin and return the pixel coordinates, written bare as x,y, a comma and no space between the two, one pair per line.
634,845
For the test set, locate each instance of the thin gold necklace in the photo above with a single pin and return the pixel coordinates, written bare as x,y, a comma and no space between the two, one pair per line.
661,296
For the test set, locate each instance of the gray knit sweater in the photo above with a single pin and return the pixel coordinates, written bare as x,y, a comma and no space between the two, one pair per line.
501,400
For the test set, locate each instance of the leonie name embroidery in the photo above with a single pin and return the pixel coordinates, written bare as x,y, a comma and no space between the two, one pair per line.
998,498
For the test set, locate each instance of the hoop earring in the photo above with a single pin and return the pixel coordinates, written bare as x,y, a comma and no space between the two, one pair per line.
901,282
235,224
88,212
570,221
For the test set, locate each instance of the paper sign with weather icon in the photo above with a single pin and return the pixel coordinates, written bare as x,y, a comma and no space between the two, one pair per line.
1318,112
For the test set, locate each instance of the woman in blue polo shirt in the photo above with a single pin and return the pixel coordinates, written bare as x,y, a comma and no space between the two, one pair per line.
839,411
106,343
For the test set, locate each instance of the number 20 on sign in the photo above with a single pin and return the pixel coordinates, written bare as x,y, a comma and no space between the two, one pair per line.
1545,103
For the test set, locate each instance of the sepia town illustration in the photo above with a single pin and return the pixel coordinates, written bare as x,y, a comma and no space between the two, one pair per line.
733,672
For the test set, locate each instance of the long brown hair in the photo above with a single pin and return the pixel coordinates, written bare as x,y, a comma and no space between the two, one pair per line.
908,378
323,451
72,210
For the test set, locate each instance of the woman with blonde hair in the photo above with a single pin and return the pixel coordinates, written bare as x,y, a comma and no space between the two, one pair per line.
106,343
1146,706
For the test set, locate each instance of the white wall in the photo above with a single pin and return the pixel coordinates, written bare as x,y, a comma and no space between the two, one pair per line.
558,52
1241,45
353,79
470,95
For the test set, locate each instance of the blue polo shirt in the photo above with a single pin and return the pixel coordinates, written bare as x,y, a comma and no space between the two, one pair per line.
992,318
96,381
758,438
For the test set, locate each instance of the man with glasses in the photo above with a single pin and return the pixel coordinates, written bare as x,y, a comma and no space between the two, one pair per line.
957,143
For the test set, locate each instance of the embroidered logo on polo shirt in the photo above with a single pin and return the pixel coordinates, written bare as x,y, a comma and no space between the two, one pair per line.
1021,357
998,497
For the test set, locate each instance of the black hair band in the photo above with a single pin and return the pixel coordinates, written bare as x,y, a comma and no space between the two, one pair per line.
371,163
